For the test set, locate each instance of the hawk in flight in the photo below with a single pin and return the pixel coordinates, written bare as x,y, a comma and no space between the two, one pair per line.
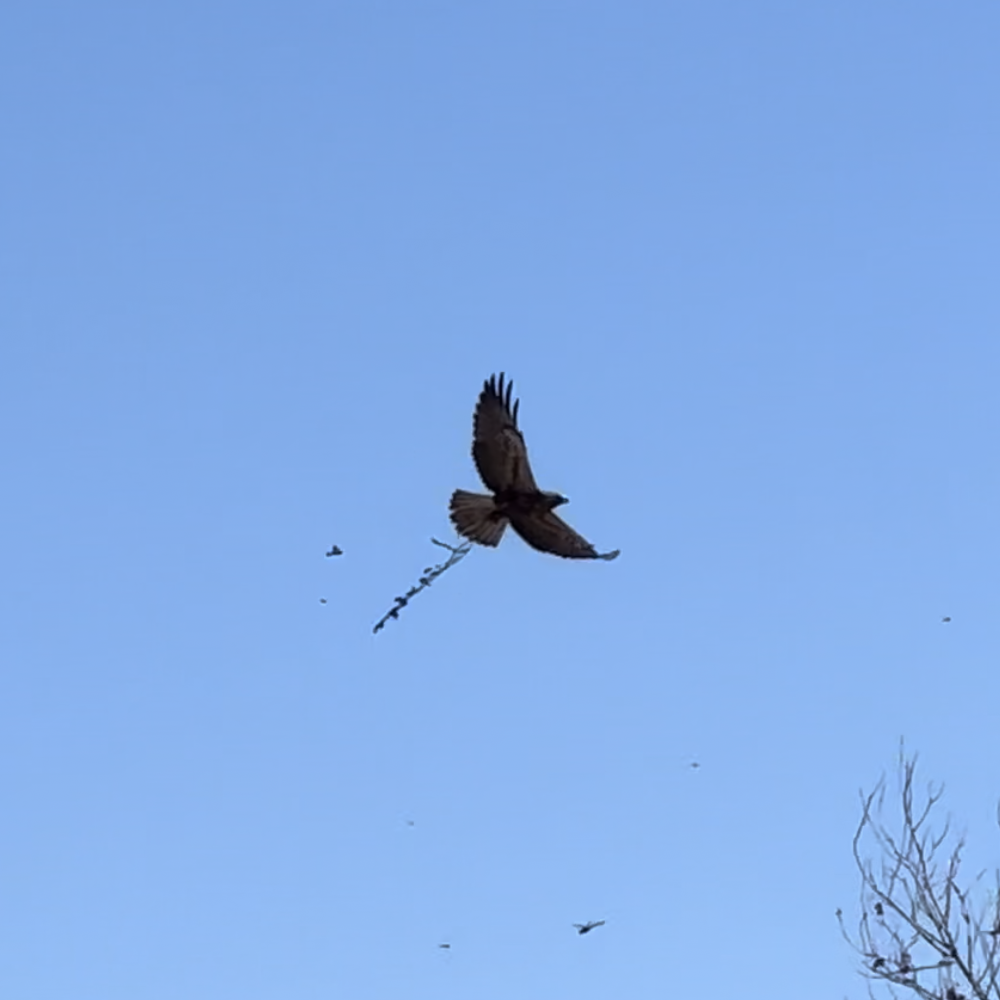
501,457
588,926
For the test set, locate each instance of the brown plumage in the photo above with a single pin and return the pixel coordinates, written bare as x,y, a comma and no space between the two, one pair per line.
501,457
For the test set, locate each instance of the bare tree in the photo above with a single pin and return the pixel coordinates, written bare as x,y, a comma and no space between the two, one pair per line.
921,930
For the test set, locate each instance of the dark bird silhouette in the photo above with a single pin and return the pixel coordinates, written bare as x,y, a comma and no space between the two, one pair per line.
588,926
444,945
335,551
501,457
946,619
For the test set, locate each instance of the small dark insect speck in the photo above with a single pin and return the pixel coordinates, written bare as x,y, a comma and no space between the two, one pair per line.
588,926
409,822
322,600
444,945
335,551
695,765
946,618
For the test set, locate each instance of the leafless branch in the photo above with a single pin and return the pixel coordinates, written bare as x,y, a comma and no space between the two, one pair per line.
917,931
431,573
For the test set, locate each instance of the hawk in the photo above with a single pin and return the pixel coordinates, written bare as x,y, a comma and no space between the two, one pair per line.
501,457
588,926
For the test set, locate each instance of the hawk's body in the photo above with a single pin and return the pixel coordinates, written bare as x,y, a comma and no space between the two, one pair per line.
501,457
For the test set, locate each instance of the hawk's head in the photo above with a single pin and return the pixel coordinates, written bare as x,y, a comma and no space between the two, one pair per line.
554,499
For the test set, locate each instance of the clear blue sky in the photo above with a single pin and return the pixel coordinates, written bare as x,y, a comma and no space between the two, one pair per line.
741,261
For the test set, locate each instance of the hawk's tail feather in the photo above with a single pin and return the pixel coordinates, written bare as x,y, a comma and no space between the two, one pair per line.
475,516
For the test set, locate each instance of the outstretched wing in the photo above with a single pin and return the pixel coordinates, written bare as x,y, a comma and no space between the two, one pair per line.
498,446
545,531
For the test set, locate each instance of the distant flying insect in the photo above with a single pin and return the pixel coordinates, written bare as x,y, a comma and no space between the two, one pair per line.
335,551
946,619
444,945
322,600
588,926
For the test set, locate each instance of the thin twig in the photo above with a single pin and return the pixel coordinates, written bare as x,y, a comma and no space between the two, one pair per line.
431,573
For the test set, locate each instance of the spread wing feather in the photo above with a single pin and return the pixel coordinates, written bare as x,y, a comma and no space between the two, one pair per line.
498,446
545,531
